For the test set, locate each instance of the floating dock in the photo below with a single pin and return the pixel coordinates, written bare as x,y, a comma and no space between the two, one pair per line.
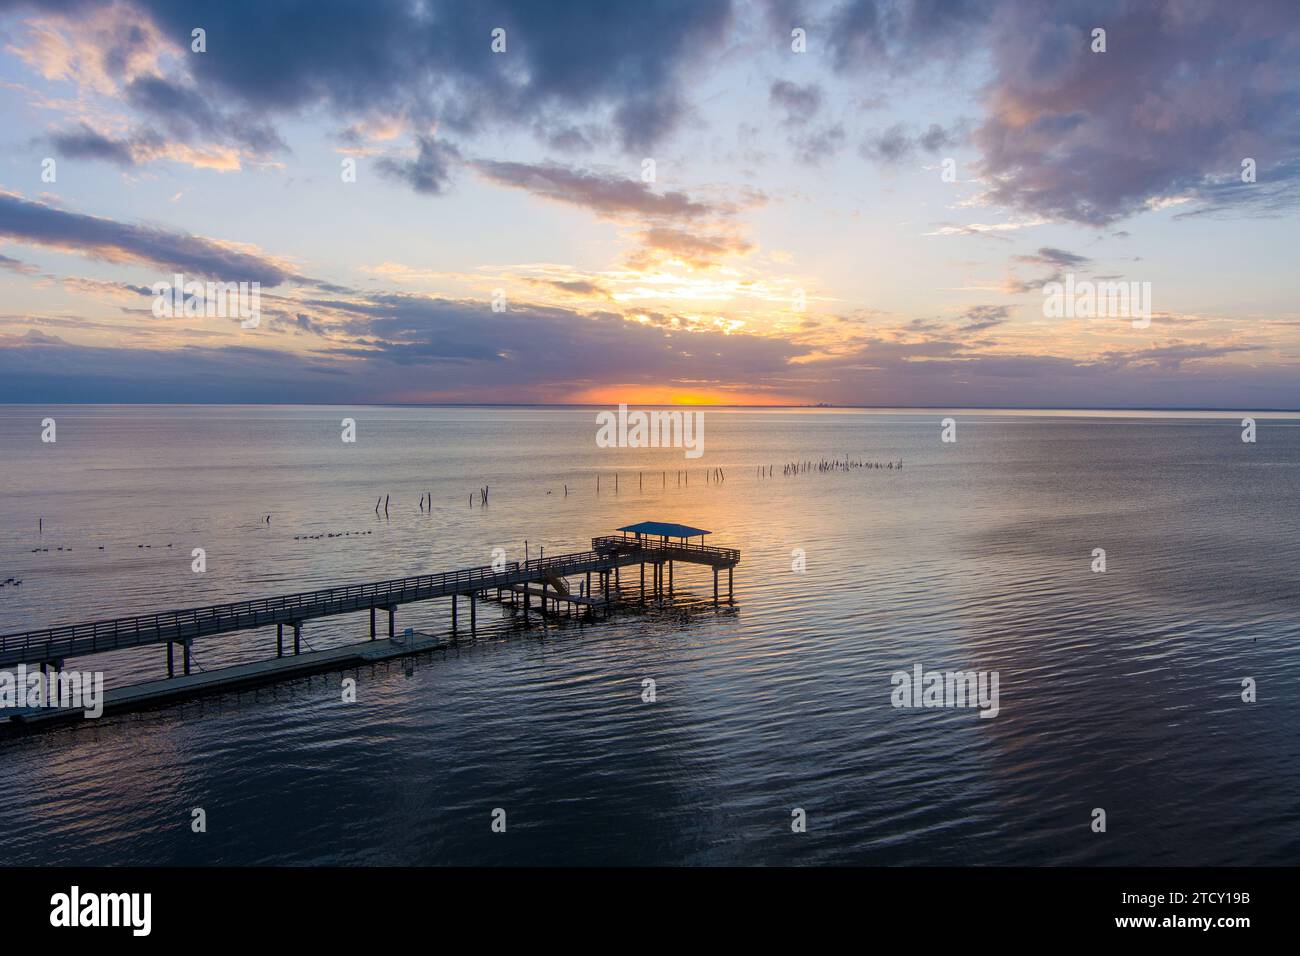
543,580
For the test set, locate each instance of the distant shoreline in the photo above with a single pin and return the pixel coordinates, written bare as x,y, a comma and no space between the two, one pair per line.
988,409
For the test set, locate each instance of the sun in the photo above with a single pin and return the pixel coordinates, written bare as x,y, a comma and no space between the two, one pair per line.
670,395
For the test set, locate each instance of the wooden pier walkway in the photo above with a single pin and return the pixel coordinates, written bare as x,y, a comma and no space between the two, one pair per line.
52,646
157,693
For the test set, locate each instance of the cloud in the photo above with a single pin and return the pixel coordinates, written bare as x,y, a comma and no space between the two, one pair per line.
16,265
936,138
695,249
799,103
1183,92
97,46
578,287
980,318
392,347
546,350
897,143
85,143
888,146
1056,260
141,147
900,36
35,223
1170,357
603,194
186,114
306,323
430,171
620,65
1049,256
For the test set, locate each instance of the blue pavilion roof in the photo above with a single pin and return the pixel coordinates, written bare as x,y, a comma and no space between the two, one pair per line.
665,529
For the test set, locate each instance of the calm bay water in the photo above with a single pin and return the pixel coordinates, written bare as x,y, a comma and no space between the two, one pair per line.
1118,690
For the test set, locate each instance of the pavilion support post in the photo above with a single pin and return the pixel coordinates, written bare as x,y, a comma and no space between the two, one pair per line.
642,582
297,637
279,640
730,598
392,621
372,624
670,579
171,667
186,661
715,585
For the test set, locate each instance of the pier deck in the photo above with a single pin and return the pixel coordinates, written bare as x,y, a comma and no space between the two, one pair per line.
238,677
181,627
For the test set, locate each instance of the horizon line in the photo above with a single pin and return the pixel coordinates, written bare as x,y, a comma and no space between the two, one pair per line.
818,406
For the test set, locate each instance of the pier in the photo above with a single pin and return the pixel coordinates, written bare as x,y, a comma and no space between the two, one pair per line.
650,546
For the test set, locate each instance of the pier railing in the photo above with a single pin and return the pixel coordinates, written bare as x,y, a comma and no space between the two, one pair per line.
72,640
111,634
709,554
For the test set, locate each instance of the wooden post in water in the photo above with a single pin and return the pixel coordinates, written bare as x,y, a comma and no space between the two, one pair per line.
392,621
730,598
715,586
279,637
186,646
372,624
171,668
473,614
454,602
297,637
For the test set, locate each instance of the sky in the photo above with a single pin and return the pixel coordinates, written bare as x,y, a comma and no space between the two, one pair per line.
663,201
